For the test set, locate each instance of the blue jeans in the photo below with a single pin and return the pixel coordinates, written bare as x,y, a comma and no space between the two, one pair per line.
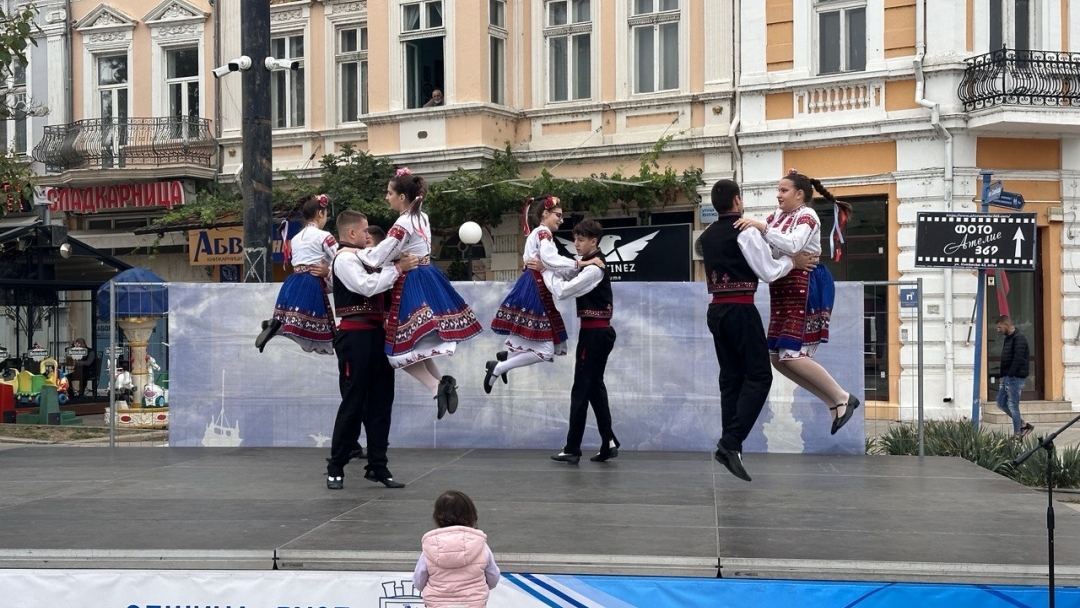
1008,399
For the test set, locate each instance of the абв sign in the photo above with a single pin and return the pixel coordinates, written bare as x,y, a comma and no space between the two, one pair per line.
975,240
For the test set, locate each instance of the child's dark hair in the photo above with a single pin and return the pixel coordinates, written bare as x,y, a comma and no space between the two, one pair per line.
589,229
454,508
309,207
412,186
808,185
377,233
539,204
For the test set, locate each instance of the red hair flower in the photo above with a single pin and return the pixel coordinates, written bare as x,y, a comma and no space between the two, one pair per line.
402,171
793,172
324,200
550,202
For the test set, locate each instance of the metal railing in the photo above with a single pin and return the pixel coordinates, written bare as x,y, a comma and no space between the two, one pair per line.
1026,78
109,143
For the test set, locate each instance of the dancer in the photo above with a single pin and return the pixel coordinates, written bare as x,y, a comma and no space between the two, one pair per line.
456,568
801,302
365,377
734,263
592,288
302,311
427,317
533,327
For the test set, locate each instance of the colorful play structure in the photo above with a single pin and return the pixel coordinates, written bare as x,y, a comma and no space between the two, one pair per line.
46,390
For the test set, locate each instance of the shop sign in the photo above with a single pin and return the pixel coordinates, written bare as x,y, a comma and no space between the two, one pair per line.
975,240
93,199
213,246
641,253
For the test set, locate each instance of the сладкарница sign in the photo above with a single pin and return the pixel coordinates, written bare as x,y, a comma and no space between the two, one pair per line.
975,240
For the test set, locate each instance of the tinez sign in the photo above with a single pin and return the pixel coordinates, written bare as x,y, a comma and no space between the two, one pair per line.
641,253
117,196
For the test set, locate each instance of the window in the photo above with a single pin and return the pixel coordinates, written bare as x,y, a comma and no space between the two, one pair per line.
352,60
841,31
655,31
497,51
422,16
113,87
568,36
182,81
422,34
1010,24
13,134
287,86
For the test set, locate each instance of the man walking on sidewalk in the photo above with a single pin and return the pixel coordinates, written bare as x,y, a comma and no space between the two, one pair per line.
1014,369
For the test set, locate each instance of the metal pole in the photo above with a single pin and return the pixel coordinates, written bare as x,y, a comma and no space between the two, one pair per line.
257,178
976,398
919,287
111,354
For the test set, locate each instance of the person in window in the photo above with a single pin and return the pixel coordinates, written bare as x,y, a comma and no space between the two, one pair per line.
436,99
801,302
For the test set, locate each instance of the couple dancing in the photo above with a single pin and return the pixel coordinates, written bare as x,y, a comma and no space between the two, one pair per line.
783,251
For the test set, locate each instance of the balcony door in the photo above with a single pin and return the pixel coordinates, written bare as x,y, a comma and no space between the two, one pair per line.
113,100
183,82
1010,24
1020,296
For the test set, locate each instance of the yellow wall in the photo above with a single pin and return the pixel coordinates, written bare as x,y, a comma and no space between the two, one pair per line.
997,153
779,106
835,161
779,32
900,95
379,65
471,53
899,28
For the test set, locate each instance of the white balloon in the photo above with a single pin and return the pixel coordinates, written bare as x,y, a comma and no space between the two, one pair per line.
470,233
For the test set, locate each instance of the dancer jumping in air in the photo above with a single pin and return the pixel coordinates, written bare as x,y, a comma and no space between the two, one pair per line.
801,302
427,316
302,311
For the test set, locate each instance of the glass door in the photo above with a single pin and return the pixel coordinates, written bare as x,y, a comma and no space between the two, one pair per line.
1018,295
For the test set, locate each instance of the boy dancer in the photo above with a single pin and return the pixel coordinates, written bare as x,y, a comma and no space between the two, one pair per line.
591,286
734,263
364,374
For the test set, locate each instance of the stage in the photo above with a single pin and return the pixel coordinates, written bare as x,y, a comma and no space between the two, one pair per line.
875,518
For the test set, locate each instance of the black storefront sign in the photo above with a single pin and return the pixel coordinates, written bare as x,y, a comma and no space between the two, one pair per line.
975,240
641,253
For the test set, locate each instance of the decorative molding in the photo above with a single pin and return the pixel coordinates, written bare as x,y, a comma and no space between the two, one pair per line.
286,16
174,12
177,31
57,16
105,18
107,37
350,7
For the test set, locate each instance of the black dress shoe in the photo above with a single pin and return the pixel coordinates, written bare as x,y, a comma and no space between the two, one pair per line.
335,482
849,410
732,459
501,356
605,455
270,328
489,377
567,458
451,393
385,480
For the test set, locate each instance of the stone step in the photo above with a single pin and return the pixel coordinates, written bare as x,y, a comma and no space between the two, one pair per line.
1035,412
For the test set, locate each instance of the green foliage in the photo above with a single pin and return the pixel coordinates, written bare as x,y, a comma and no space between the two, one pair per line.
16,31
210,205
356,180
992,450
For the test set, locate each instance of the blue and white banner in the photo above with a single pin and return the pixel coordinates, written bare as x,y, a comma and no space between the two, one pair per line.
289,589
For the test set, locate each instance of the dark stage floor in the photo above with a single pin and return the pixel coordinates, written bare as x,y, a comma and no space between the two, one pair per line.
803,516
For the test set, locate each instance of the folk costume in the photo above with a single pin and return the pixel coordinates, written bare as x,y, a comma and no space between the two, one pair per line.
591,287
802,301
734,263
365,377
528,316
427,317
302,307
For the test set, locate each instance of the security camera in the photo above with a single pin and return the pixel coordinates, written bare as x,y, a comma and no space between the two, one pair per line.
273,64
240,63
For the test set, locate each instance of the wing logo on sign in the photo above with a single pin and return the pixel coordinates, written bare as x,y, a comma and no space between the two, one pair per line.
626,253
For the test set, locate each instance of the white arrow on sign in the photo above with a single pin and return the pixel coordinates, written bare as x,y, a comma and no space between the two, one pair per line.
1019,238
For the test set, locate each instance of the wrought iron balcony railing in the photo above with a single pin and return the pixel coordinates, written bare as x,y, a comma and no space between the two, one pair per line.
116,143
1025,78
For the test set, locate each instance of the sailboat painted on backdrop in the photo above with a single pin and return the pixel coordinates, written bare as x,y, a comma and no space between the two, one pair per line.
218,433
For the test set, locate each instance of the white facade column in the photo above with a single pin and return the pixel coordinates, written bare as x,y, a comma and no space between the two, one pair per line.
1070,268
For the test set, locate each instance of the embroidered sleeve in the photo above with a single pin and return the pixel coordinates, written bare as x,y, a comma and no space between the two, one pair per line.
386,251
329,247
794,235
549,254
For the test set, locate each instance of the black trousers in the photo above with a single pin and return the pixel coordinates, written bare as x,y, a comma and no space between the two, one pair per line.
745,372
366,381
594,346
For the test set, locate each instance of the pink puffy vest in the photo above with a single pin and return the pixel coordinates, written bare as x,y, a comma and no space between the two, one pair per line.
455,557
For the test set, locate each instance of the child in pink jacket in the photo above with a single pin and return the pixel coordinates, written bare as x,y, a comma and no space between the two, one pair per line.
456,568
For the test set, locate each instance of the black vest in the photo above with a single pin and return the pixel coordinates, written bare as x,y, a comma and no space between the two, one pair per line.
726,270
348,303
597,303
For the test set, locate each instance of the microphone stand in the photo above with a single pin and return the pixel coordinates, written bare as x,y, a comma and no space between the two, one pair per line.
1047,443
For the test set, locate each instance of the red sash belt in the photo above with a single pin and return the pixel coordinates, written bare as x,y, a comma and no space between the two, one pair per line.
359,323
742,298
592,323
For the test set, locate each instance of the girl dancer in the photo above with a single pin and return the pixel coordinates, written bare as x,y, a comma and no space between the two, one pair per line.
427,317
302,309
801,302
528,318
